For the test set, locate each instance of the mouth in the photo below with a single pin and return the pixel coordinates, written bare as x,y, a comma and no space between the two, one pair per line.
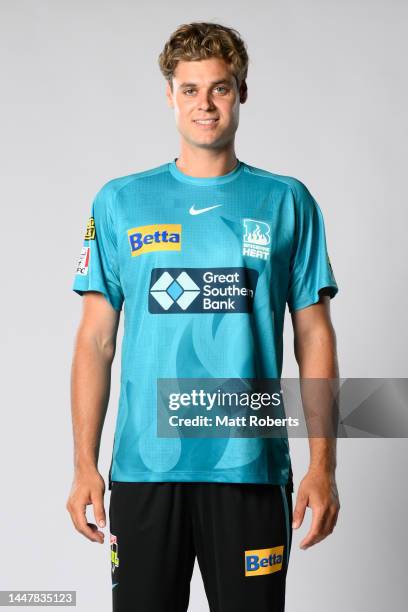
206,122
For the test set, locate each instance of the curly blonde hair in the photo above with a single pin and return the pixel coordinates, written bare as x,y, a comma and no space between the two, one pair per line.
198,41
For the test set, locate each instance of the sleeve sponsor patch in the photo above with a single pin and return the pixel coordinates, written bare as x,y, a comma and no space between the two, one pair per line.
83,262
90,229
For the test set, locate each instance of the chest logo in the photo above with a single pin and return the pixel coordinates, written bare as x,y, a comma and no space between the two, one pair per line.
157,237
198,211
202,290
256,238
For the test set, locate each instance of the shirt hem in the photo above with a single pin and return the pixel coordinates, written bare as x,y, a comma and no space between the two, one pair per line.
202,477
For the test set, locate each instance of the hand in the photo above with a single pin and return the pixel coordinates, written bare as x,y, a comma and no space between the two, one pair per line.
87,488
317,490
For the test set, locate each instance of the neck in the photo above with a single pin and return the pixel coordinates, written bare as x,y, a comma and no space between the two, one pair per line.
206,163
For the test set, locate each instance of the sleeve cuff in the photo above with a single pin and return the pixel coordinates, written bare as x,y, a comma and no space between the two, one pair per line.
115,301
308,299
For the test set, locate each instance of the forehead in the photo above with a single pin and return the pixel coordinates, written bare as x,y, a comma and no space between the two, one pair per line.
202,71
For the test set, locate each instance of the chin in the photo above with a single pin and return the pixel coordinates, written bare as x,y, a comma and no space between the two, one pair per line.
211,141
213,144
203,143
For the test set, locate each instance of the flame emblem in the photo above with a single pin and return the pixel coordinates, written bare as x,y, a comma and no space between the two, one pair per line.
257,232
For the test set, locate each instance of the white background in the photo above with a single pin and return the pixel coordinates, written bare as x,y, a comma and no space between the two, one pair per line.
83,102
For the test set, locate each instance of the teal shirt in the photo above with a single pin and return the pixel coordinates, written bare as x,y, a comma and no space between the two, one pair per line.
204,268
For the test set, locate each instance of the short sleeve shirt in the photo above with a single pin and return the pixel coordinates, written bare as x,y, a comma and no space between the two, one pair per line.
203,269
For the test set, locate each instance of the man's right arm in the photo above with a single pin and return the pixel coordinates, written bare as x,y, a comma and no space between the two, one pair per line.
94,352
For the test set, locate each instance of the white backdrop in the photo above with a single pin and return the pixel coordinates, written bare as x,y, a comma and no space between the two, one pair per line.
83,102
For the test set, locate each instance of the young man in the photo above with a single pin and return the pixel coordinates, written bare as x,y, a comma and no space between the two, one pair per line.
167,243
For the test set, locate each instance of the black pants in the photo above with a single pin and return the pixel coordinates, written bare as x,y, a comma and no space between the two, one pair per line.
240,533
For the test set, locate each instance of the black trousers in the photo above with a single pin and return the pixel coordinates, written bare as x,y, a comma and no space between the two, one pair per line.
240,533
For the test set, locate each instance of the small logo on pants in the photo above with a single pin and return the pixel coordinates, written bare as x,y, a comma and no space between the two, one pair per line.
114,552
263,561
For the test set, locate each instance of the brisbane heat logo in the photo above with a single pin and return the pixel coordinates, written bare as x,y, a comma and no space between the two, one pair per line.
157,237
256,239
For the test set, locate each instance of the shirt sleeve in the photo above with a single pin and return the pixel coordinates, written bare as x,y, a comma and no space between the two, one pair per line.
310,267
97,268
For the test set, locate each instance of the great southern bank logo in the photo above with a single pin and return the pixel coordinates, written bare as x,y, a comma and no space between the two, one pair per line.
168,290
256,239
263,561
202,290
157,237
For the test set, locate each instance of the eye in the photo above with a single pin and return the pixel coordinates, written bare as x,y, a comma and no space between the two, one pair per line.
189,92
221,89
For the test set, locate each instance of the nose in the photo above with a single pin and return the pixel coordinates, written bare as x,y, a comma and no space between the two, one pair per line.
205,102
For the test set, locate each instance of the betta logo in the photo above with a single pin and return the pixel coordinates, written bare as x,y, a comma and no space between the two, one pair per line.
158,237
263,561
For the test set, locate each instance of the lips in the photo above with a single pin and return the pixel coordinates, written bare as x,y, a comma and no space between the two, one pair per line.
211,121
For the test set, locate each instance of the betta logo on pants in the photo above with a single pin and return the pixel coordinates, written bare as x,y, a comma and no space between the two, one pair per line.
263,561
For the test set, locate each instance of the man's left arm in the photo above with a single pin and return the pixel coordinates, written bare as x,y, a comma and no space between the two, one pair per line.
316,355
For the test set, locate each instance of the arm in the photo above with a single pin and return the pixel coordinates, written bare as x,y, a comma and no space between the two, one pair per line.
90,387
315,352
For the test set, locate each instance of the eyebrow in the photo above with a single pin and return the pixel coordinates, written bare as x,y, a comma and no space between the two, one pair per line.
219,82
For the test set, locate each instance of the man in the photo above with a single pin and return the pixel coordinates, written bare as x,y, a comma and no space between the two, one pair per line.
166,244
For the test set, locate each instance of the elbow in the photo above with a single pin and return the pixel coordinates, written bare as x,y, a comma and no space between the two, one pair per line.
97,341
109,350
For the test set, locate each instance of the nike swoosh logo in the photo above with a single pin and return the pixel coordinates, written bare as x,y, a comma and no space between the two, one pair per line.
116,584
198,211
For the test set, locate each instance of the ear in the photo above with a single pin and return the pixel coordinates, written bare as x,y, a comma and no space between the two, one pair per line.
169,95
243,92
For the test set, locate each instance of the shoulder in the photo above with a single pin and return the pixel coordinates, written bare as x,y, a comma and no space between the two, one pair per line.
110,191
291,183
297,194
113,187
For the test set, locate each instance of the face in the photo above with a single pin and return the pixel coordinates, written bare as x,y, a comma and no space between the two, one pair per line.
206,102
